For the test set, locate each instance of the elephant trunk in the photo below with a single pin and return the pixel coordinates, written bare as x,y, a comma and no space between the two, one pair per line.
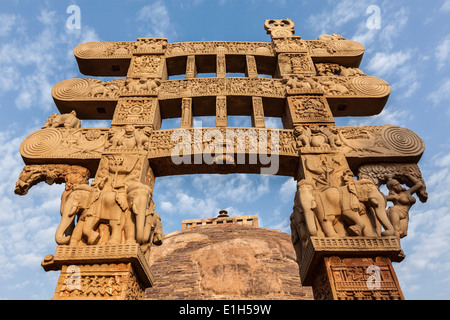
140,225
66,221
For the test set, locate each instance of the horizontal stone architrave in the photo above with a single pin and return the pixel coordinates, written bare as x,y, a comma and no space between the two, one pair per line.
113,58
360,145
96,99
126,49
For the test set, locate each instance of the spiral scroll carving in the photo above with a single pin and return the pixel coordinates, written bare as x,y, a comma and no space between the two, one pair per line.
348,45
89,50
71,88
41,143
403,140
371,86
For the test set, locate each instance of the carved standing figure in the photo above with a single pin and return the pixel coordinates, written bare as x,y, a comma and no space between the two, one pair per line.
107,206
403,200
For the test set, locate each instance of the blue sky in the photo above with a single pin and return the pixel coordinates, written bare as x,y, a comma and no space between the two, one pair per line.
410,50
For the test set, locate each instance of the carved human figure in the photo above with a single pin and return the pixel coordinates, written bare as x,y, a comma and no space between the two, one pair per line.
106,206
402,200
126,138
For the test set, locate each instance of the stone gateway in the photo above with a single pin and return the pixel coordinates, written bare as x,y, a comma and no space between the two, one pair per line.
345,232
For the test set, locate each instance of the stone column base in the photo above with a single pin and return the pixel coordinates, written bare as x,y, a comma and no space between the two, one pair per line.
353,268
117,272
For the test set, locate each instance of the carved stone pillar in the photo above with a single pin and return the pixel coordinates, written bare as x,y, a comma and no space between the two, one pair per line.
118,272
258,113
221,67
191,68
186,113
251,70
221,111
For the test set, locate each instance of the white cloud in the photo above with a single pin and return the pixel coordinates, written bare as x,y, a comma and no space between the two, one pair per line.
287,190
155,21
442,53
27,224
441,94
389,115
9,22
32,65
384,63
445,6
334,17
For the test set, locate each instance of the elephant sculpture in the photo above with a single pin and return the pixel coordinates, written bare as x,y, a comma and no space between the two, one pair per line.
371,196
303,219
139,198
142,225
341,210
75,204
153,233
130,211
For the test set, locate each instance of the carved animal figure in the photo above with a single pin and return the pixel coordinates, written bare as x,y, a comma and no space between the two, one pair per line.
74,205
139,197
340,206
66,120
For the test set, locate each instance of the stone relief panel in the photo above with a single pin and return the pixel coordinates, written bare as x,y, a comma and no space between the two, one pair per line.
355,86
99,50
334,69
147,66
368,141
135,110
164,143
221,47
128,139
125,49
298,63
291,44
352,281
150,46
82,143
222,87
88,89
99,282
334,45
309,109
